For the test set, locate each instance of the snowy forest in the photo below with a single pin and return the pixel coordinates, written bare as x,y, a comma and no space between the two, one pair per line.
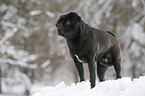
32,55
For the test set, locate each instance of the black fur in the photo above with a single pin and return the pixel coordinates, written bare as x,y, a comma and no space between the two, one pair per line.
90,45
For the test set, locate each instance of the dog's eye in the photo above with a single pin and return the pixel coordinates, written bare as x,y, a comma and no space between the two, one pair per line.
68,22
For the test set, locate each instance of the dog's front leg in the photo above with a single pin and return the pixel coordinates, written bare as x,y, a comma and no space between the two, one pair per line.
91,65
79,67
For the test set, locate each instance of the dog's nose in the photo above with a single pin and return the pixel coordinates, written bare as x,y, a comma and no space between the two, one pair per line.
56,25
60,24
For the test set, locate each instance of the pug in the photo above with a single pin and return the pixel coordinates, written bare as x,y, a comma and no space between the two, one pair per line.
90,45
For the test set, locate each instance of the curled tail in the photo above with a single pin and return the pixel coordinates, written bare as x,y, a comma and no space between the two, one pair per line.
111,34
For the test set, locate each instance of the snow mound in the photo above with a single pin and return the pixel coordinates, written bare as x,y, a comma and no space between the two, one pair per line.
121,87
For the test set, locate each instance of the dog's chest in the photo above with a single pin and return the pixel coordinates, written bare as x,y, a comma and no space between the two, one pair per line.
82,58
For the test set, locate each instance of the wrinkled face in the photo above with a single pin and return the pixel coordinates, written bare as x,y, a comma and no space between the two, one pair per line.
68,25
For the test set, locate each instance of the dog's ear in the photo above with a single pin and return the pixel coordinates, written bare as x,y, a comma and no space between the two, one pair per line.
75,15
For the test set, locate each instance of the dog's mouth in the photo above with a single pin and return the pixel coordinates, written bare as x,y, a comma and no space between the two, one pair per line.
64,30
63,26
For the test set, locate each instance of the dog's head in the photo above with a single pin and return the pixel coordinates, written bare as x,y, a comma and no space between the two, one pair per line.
68,25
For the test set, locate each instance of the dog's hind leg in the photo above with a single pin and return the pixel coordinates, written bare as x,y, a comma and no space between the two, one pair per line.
116,61
117,66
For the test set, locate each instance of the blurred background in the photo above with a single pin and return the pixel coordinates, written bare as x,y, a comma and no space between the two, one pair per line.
32,55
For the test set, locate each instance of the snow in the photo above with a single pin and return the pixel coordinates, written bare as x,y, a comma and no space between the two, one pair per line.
3,7
121,87
9,84
50,14
138,33
11,12
35,12
45,64
22,58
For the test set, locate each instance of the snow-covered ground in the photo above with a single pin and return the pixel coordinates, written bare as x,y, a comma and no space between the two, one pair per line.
120,87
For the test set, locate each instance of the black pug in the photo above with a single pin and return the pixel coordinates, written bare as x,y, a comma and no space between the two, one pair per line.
90,45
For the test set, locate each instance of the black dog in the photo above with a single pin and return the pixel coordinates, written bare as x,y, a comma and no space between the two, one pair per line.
90,45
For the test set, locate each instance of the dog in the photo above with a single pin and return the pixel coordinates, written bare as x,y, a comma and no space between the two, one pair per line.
89,45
